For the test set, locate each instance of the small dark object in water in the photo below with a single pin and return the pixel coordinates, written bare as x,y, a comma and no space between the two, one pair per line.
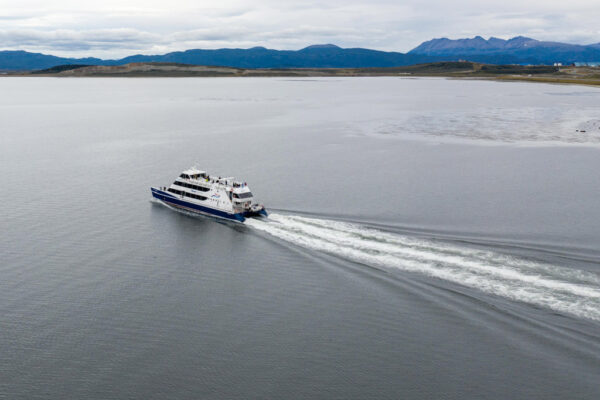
582,131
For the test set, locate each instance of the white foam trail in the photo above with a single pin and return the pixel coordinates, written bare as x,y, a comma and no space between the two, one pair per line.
562,289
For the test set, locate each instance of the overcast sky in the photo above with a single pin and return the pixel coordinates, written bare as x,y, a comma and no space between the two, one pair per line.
111,29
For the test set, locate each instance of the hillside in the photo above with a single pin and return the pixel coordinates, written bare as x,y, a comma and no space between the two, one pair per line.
317,56
452,69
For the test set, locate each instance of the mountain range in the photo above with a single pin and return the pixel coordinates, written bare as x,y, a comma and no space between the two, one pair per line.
518,50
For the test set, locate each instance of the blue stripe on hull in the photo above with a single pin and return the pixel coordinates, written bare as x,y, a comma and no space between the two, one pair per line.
186,205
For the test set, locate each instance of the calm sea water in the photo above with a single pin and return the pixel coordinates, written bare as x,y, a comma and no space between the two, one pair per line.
428,238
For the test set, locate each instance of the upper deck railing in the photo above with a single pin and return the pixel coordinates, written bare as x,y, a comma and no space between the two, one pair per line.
210,181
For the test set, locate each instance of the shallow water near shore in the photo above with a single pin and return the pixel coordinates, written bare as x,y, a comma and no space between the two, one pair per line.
427,238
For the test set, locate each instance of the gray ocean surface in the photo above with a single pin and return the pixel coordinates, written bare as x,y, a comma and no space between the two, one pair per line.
428,238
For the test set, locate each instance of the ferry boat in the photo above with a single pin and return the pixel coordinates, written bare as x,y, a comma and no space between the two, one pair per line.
198,192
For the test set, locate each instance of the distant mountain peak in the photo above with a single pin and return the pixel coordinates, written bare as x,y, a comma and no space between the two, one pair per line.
521,38
473,45
516,50
495,40
322,46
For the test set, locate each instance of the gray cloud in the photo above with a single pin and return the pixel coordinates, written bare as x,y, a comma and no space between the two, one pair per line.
116,28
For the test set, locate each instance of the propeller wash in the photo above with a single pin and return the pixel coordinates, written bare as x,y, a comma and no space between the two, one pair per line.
561,289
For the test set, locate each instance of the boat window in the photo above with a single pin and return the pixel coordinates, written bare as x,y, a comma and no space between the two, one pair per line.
184,176
242,195
186,194
195,196
189,185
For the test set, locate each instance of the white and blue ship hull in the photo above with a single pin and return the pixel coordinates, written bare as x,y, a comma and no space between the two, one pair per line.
183,204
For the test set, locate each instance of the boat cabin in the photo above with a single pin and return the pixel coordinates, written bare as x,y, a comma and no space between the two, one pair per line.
194,174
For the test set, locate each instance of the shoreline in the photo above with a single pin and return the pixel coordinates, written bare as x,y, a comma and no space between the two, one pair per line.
589,76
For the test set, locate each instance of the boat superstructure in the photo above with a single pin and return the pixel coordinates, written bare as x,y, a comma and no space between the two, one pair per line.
197,191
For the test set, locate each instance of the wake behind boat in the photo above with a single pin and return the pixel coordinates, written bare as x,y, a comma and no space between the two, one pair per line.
196,191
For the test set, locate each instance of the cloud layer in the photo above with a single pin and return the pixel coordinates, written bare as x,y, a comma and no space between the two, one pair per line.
117,28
